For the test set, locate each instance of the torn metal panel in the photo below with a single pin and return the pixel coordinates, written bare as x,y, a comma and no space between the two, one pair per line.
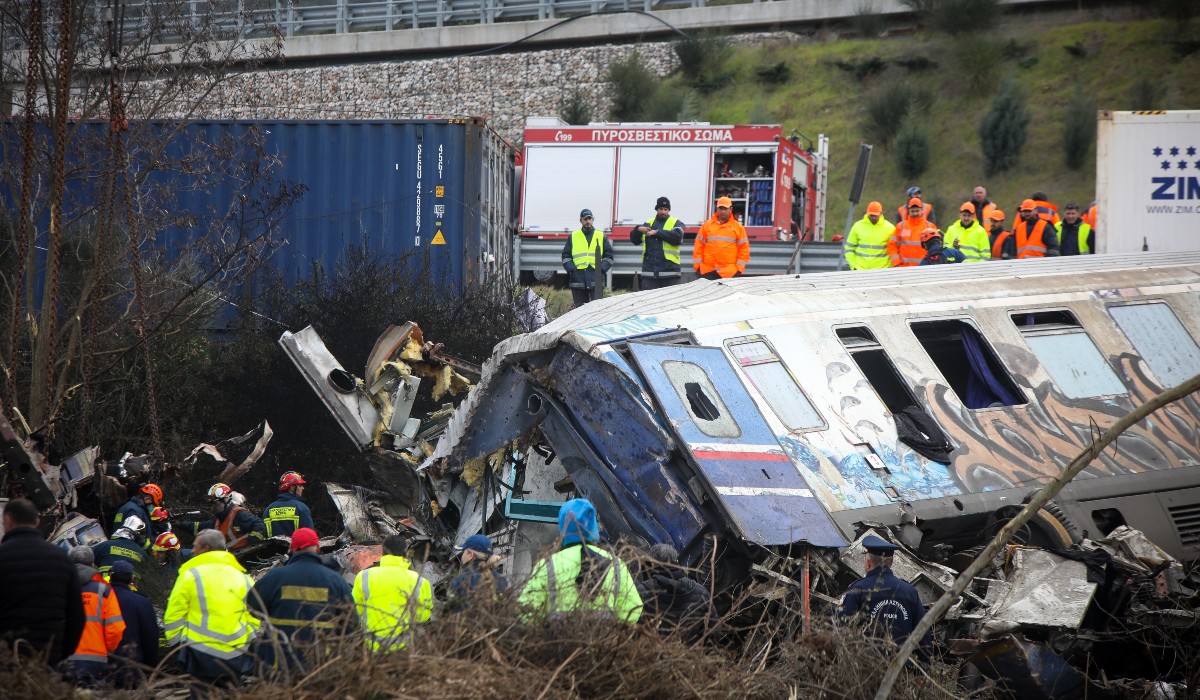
390,343
355,516
80,467
339,390
25,466
78,530
1132,550
231,473
1044,590
1028,669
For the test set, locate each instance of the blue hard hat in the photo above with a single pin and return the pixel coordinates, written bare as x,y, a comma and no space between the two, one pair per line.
577,522
477,543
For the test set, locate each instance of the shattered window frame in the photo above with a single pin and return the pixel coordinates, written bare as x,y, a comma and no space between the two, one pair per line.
922,330
1067,352
1160,338
725,425
772,389
857,339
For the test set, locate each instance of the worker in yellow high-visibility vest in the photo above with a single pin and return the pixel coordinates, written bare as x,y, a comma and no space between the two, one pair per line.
586,248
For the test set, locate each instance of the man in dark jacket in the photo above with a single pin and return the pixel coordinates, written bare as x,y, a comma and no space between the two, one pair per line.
659,238
300,599
289,512
41,602
479,562
671,599
887,605
586,248
139,644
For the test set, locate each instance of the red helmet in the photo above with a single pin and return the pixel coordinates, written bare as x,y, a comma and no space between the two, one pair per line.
290,479
154,492
159,515
930,233
220,492
166,542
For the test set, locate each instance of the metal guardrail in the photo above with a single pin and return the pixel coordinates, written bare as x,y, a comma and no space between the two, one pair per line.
543,257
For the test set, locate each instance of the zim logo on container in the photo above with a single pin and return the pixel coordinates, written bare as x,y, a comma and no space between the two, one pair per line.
1173,161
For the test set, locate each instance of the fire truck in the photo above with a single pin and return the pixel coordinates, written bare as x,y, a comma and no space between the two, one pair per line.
619,170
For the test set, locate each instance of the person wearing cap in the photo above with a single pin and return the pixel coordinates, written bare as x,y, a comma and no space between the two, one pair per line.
1004,246
905,211
671,600
1075,236
104,627
581,577
968,236
586,248
288,512
1036,237
904,247
659,238
887,605
479,567
206,614
391,597
300,600
866,246
936,253
981,205
721,249
139,643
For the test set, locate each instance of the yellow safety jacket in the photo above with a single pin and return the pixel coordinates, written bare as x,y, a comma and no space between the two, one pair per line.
383,598
584,254
866,246
1084,230
207,608
670,250
552,589
972,241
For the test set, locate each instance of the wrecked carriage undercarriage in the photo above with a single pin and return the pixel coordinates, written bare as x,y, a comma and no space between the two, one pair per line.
551,421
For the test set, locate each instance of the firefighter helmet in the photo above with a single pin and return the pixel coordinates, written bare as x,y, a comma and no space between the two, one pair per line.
929,234
290,479
220,492
153,491
166,542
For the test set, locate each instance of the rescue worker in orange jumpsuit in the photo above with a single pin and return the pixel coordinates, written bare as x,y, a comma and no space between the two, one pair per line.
722,249
904,247
1036,237
904,211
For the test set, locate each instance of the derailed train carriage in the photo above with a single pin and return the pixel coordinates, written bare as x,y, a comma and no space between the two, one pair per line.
754,414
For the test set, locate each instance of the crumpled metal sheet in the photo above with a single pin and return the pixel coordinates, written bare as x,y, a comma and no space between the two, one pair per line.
1043,590
1134,551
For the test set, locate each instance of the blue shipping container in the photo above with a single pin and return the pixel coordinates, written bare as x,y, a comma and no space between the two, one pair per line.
441,187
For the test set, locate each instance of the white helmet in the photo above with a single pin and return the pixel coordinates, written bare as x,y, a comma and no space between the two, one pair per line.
134,524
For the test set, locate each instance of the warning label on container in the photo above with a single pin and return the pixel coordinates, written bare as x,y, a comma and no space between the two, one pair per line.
438,239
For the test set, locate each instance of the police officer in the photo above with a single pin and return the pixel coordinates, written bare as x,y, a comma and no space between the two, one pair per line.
889,606
289,512
659,238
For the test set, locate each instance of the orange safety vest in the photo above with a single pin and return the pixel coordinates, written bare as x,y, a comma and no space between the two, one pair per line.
903,212
723,247
1047,211
1030,245
1089,216
905,242
998,246
103,626
226,528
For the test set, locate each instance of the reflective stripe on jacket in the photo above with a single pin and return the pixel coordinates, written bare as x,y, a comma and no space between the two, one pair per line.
553,587
1082,234
971,241
904,246
723,247
926,213
383,599
1002,239
583,251
207,608
103,626
1031,244
867,245
670,251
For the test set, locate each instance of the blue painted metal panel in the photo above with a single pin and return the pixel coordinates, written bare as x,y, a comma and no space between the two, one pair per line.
391,184
748,474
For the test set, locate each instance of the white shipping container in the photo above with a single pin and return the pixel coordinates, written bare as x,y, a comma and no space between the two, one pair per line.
1148,181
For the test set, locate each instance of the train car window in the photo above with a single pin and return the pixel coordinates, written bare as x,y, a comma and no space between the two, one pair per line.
1161,340
700,397
1067,352
775,383
968,363
914,426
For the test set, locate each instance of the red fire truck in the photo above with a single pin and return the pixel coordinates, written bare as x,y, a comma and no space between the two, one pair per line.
619,171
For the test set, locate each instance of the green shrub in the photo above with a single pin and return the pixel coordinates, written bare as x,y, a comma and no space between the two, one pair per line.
963,16
888,105
575,108
1004,128
1079,129
1014,49
693,107
863,69
665,104
975,59
867,21
701,52
913,146
773,73
916,64
629,82
711,82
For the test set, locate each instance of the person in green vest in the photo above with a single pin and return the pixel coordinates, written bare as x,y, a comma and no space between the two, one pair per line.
1075,236
659,238
585,248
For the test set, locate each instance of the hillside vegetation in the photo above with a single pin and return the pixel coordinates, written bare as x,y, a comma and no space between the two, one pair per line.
825,87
